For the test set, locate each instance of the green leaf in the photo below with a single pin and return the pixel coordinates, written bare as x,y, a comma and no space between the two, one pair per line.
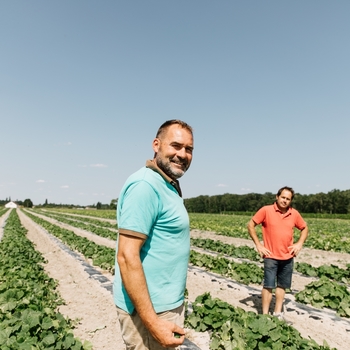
31,318
46,323
275,334
215,344
49,339
68,341
8,306
262,325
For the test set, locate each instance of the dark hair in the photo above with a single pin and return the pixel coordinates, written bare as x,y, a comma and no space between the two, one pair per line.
287,189
168,123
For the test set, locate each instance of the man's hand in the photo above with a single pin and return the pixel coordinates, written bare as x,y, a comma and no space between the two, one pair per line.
262,250
164,332
295,249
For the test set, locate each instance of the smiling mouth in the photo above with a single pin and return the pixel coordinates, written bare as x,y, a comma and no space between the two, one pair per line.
180,164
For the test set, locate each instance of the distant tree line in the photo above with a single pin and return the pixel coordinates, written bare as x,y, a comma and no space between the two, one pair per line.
3,202
111,206
333,202
6,200
27,203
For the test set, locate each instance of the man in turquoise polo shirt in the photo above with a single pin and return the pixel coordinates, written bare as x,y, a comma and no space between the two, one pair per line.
153,244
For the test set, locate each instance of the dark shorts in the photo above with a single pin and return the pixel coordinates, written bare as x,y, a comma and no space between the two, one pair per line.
278,273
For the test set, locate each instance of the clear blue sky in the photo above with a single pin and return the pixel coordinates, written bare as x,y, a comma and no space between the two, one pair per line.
84,85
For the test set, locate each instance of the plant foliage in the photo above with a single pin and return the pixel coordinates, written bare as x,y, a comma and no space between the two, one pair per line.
326,293
233,328
29,319
242,272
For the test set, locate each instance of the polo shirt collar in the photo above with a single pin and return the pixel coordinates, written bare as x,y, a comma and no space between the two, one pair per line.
277,209
151,164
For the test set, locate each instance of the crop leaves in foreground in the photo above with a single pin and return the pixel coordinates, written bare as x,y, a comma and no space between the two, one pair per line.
233,328
29,319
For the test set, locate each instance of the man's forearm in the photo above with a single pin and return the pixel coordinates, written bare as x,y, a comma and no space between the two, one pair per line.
303,235
135,285
252,232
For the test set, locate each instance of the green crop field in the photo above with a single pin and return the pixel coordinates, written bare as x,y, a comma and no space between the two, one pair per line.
225,323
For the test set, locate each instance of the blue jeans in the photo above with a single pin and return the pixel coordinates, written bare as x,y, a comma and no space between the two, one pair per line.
278,273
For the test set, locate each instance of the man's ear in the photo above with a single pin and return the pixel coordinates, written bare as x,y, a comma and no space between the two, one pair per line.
156,145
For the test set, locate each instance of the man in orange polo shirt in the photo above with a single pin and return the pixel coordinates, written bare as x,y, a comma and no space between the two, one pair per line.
278,248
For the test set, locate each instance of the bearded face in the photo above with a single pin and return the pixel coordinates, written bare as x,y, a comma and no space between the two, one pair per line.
173,151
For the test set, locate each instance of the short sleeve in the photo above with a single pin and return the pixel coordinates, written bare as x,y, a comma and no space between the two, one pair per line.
139,208
300,223
259,216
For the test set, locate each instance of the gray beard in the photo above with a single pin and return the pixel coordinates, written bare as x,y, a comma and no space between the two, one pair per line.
166,167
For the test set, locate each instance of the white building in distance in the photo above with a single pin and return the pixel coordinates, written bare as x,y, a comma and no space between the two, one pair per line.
11,205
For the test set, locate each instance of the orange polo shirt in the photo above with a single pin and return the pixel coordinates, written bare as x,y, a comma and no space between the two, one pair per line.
277,229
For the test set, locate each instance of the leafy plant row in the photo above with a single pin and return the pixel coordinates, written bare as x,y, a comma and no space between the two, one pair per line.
3,211
104,214
242,272
332,272
29,319
329,234
96,221
232,328
101,256
90,227
243,251
226,225
320,294
325,234
331,241
326,293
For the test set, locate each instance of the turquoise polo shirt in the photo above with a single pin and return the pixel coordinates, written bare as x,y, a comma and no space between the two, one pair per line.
150,205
